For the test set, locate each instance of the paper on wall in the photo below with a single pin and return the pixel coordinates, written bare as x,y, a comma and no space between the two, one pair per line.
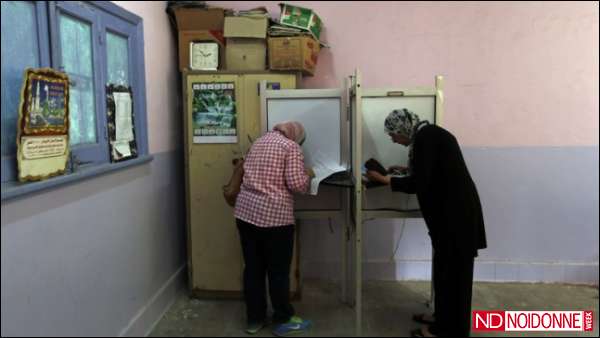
123,148
123,123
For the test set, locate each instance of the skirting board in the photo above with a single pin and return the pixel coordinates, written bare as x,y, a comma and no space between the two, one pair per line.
488,271
148,316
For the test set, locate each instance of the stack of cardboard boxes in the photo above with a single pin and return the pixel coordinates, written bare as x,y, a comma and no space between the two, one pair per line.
300,49
246,42
244,39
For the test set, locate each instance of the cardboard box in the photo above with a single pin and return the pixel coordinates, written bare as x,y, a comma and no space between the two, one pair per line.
300,17
246,43
246,54
294,53
197,24
199,19
246,27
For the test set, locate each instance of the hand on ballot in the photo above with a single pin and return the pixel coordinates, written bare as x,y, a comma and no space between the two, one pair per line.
398,170
374,176
309,172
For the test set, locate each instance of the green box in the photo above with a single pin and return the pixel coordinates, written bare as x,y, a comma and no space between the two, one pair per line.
300,17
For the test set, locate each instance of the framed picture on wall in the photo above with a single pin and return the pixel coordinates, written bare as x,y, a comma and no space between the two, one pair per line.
43,126
45,108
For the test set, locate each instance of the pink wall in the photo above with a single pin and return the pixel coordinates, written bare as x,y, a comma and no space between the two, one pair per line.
162,99
517,74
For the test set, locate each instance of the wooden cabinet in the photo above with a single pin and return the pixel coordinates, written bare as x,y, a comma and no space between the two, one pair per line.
215,259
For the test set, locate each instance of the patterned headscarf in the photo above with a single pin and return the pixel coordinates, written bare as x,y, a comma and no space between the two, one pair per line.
292,130
406,123
401,121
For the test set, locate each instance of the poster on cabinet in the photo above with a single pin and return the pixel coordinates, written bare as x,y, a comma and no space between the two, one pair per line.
214,116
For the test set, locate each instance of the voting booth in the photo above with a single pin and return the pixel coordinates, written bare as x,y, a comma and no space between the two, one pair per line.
323,113
369,109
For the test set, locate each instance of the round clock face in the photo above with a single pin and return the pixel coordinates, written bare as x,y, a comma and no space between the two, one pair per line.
204,55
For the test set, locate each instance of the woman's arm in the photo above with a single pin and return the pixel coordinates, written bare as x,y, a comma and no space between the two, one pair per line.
296,178
404,184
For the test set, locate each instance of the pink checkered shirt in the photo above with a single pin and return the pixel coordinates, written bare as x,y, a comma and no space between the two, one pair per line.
273,170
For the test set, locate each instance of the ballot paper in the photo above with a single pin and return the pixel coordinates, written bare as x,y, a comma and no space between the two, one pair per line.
323,167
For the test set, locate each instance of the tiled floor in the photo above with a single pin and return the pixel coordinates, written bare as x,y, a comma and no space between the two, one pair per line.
386,312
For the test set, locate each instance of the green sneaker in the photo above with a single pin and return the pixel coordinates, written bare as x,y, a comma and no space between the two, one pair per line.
294,326
254,328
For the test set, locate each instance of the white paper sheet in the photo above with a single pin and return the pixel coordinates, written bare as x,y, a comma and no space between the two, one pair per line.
123,123
123,148
323,167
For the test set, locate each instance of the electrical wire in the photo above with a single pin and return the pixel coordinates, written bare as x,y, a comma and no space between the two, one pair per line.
397,246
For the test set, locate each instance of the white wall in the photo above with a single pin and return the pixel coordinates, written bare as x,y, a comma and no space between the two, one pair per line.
105,256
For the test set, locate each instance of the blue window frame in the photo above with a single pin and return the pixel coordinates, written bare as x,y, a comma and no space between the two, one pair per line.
95,43
25,44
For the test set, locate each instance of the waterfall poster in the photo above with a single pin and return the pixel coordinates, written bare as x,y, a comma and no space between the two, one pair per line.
214,118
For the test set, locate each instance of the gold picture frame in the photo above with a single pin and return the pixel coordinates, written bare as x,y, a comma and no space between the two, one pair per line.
43,124
45,101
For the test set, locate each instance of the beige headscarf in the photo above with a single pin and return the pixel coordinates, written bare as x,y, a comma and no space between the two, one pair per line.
292,130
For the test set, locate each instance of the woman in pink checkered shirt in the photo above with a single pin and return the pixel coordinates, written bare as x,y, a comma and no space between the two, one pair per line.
273,172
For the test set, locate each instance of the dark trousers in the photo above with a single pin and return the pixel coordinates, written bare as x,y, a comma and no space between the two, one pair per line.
267,253
453,283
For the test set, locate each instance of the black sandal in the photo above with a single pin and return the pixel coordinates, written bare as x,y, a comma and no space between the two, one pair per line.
420,318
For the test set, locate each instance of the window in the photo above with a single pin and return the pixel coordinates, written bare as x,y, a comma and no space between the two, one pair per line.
117,59
77,61
95,43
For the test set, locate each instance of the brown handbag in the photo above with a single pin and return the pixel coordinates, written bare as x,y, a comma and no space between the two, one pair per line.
232,189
